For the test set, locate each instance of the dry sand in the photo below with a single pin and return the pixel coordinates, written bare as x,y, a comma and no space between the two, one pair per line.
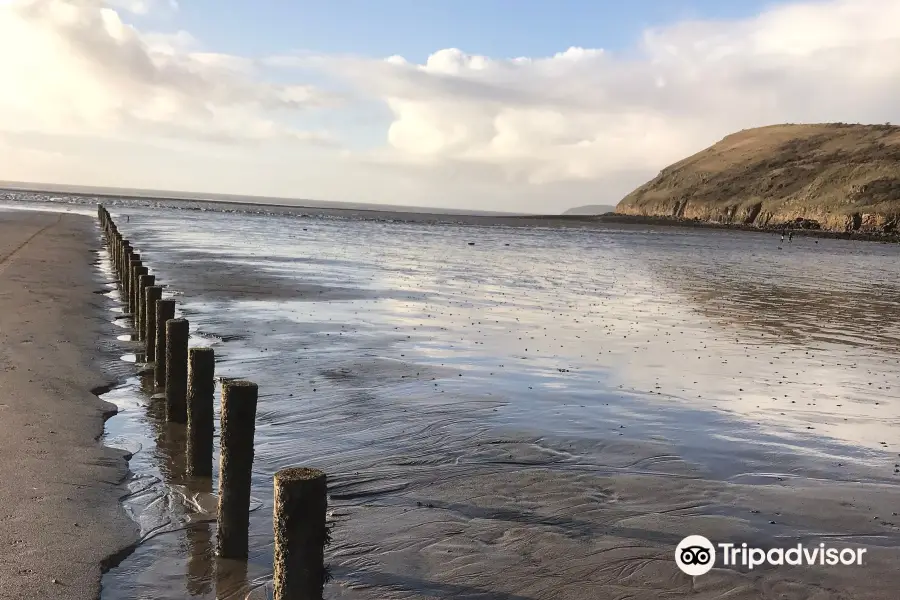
60,515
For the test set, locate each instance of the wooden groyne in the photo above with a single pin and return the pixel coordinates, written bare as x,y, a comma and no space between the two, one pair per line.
184,377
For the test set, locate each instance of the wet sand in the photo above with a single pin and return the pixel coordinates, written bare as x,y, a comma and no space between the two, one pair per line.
60,514
544,414
607,532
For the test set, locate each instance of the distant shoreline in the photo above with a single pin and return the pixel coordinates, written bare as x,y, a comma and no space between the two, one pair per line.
113,193
392,214
868,236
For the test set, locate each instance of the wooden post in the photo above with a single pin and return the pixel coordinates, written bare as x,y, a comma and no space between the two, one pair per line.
200,411
151,295
124,261
114,250
236,431
144,282
124,256
176,370
133,261
300,534
136,273
165,310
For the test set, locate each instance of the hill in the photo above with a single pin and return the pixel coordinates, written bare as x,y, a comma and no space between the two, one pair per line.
591,209
835,176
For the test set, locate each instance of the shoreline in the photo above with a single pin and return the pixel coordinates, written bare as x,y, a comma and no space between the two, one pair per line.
461,218
230,199
63,523
622,219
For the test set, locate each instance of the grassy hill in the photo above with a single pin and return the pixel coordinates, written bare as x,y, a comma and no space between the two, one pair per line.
835,176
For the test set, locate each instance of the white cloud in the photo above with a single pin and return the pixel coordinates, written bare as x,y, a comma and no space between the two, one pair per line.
75,67
532,133
143,7
587,114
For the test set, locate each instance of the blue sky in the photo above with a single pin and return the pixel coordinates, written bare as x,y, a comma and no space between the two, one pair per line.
416,28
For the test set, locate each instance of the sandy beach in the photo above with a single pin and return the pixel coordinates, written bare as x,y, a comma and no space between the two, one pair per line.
60,515
548,483
570,301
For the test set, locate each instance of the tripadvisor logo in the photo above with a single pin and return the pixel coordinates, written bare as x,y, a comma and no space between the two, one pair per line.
696,555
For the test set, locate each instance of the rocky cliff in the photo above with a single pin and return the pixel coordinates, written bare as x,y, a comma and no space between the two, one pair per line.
835,176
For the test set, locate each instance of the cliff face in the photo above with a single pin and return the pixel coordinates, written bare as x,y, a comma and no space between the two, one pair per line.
833,176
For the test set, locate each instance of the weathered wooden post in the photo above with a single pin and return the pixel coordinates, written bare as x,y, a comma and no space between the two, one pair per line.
114,250
134,261
165,310
238,423
200,411
124,261
144,282
301,500
123,254
111,244
176,370
135,255
136,273
151,295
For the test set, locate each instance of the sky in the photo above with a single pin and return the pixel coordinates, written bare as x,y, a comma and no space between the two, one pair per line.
514,105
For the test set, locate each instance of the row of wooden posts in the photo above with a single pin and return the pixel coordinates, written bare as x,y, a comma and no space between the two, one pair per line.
186,377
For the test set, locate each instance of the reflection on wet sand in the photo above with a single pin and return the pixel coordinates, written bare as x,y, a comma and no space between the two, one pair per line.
201,555
231,579
540,415
175,507
814,333
857,309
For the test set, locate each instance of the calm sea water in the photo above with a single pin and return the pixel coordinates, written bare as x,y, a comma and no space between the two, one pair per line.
404,358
